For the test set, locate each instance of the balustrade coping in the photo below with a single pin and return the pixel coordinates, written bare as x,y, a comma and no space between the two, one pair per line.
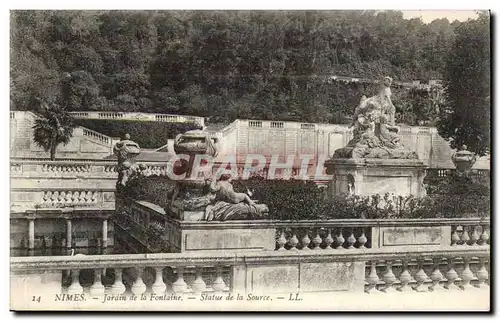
76,162
62,189
310,223
228,258
66,212
338,223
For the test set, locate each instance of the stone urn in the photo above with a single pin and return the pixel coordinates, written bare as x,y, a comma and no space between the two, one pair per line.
196,142
463,160
192,143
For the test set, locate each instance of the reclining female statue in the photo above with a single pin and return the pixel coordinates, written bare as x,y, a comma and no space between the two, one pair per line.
231,205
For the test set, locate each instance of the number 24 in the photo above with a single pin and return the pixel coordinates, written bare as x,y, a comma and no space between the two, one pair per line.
36,298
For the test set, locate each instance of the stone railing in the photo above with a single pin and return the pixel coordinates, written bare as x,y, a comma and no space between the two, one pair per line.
305,235
103,139
41,183
138,116
324,127
77,168
271,273
375,233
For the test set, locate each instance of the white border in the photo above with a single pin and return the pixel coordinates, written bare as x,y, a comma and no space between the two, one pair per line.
185,4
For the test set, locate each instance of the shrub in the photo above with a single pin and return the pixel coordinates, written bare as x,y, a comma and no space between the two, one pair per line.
304,200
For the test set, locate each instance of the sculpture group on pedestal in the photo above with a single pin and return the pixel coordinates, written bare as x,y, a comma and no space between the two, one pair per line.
374,131
375,161
206,198
215,198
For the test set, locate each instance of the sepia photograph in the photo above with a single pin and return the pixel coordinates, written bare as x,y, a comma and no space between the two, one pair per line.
250,160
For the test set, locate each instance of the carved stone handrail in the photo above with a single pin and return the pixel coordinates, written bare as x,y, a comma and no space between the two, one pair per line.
137,116
213,258
335,234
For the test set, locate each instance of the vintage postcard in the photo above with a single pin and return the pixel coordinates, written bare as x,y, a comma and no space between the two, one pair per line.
320,160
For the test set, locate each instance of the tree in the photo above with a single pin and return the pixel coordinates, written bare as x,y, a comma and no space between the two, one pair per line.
54,127
466,117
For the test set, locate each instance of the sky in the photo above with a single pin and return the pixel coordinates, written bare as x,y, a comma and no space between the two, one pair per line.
429,15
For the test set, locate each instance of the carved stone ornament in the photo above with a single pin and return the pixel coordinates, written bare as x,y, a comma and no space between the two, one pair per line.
375,135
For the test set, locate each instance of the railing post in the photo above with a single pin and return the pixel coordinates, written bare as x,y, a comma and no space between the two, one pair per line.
159,286
375,237
97,289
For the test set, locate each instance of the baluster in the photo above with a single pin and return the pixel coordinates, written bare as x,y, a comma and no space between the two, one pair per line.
451,275
179,286
97,289
329,240
282,241
389,278
482,273
465,236
75,287
76,197
436,275
317,240
421,277
62,197
293,241
159,287
118,287
306,241
351,240
138,287
219,285
340,241
372,279
484,236
405,278
362,239
69,198
454,237
466,274
474,237
198,285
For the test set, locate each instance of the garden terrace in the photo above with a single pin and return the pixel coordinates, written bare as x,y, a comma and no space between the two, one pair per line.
148,134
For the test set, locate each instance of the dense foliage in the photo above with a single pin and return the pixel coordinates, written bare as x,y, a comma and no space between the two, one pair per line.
302,200
226,64
466,120
299,200
148,134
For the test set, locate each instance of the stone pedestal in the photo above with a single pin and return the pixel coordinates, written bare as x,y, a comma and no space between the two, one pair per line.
401,177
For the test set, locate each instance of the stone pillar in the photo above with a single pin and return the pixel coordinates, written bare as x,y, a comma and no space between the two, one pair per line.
104,233
68,233
31,233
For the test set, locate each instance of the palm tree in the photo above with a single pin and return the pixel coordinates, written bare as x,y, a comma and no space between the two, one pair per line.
53,128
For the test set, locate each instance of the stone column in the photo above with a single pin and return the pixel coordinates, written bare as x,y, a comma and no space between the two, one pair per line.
31,233
68,233
104,233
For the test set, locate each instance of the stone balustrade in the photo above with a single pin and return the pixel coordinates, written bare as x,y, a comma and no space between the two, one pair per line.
68,168
76,198
420,269
372,233
138,116
302,235
469,233
96,136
